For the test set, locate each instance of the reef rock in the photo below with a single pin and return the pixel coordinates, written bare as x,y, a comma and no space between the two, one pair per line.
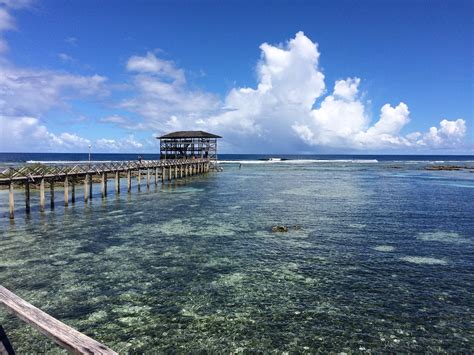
279,229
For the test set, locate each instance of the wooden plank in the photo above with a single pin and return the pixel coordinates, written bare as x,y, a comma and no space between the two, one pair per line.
60,333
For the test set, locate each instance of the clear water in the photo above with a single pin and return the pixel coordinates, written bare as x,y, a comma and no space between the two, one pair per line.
382,260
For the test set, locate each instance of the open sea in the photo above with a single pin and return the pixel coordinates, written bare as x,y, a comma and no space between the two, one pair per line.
379,257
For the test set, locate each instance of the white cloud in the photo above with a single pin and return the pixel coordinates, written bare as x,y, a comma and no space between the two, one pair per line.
160,92
25,133
65,57
31,92
7,22
448,135
114,119
153,65
127,144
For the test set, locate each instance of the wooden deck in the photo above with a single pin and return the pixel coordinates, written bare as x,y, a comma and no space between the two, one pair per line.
60,333
71,174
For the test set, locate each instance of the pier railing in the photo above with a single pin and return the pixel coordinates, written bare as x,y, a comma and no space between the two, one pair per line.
70,174
62,334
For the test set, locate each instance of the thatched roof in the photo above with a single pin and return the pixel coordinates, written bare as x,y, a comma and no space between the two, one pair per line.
190,134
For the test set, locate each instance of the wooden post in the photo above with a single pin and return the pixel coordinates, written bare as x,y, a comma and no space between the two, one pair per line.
117,182
103,186
129,180
156,176
73,191
148,179
42,199
169,173
51,194
176,172
90,186
11,201
163,171
181,171
27,196
66,191
86,188
139,176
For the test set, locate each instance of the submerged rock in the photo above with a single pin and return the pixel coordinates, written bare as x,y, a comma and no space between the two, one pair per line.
279,229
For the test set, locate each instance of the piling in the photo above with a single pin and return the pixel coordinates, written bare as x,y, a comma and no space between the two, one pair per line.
139,177
129,181
27,196
73,191
103,185
42,197
117,182
11,201
86,188
66,191
51,194
148,179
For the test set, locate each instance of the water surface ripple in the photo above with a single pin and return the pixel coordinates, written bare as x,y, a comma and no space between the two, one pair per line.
382,260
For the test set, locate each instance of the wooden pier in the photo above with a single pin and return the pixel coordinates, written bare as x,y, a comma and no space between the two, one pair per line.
62,334
69,175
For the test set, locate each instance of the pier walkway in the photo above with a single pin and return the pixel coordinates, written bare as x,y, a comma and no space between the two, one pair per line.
69,175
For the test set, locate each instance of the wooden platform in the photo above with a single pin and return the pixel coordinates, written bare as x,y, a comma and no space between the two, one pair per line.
60,333
71,174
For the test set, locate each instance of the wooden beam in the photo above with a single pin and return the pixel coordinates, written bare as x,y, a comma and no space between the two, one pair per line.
148,179
129,181
156,176
60,333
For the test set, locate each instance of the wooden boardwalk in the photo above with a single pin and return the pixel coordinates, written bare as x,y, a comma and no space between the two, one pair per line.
60,333
69,175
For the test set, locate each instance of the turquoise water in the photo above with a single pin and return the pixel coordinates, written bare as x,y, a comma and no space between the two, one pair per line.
381,260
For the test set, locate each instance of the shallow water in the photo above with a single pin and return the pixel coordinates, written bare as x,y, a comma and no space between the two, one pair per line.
382,260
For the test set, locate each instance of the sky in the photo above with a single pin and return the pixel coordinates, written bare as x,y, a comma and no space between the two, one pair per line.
301,77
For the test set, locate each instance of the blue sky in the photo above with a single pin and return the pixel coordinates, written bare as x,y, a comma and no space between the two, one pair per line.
334,76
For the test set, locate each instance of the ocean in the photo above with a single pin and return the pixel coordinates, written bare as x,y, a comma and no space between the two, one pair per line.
379,257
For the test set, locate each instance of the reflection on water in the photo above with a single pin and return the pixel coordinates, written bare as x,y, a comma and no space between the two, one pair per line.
379,262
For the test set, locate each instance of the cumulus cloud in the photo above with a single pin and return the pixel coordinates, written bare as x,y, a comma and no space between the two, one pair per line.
160,92
289,109
35,136
282,109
